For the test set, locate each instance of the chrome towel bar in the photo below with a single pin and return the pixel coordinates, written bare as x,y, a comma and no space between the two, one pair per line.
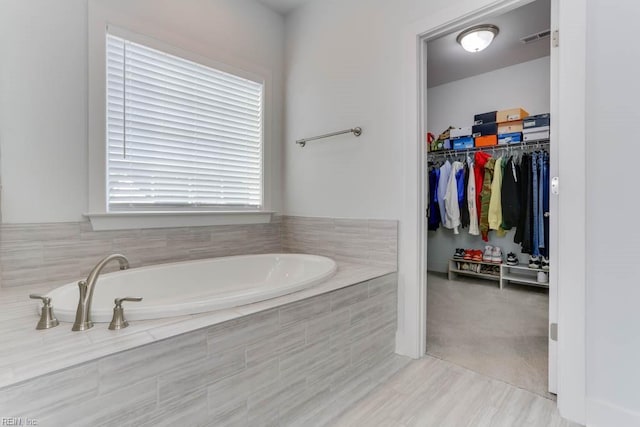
357,131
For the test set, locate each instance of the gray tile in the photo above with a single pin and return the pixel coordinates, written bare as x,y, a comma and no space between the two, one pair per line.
199,374
123,407
152,359
305,309
328,324
241,332
188,409
348,296
279,342
239,386
50,393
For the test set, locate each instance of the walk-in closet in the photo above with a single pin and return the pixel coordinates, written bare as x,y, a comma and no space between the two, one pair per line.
488,183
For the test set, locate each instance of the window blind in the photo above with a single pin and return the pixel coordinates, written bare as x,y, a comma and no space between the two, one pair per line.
180,135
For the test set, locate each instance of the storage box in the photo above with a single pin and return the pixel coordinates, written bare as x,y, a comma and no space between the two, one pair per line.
486,141
536,129
511,114
462,143
458,132
510,127
536,136
485,129
537,121
510,138
480,119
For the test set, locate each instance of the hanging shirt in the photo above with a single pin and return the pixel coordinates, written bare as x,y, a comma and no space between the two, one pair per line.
471,198
464,205
451,203
486,198
510,195
480,160
443,181
434,209
495,203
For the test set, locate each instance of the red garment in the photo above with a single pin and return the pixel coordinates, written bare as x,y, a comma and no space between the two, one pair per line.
478,170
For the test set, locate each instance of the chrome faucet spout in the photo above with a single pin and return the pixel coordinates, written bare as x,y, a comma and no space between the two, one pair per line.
83,313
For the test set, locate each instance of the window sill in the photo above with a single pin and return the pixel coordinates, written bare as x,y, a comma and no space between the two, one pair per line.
167,219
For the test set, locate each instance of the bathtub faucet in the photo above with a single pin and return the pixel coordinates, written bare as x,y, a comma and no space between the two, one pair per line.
83,313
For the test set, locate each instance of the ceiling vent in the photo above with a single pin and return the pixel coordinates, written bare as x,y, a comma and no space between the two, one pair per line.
535,37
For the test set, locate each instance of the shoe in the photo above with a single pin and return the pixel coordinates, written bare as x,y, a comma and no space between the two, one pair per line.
534,262
459,254
464,266
468,255
488,254
496,255
477,255
512,259
545,263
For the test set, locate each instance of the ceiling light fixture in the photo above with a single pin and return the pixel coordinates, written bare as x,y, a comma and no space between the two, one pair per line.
477,38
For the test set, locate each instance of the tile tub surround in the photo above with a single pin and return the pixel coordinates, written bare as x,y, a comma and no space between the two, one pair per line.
58,253
366,241
301,363
27,353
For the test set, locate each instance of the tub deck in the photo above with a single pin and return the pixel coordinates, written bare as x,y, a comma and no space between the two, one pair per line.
28,353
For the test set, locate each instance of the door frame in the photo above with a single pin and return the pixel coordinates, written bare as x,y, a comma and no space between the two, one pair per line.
568,94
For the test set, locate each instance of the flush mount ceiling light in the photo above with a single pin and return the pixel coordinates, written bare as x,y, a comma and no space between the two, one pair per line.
477,38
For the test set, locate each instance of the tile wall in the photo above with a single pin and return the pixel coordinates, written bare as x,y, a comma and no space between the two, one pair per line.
301,364
57,253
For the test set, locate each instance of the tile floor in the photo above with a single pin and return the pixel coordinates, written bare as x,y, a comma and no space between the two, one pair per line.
434,392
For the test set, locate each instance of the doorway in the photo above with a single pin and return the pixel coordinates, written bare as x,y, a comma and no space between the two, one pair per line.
489,291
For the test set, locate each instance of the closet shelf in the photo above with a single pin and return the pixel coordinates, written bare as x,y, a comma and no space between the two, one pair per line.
520,146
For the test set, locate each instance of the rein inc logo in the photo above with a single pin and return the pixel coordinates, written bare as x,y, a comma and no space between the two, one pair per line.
18,421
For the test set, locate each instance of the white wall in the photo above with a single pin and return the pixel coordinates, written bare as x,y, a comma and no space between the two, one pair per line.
344,69
523,85
44,95
613,239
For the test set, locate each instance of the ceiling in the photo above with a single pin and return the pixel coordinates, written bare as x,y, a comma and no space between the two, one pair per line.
447,61
283,6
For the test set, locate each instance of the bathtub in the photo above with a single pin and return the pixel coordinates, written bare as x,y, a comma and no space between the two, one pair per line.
193,287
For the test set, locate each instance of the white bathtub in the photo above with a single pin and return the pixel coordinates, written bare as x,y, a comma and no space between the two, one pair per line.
196,286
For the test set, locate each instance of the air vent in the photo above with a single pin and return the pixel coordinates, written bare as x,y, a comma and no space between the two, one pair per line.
535,37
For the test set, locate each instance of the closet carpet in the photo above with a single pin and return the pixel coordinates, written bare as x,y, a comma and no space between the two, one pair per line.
498,333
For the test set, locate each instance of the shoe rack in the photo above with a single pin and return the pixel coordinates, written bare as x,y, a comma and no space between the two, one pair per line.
503,274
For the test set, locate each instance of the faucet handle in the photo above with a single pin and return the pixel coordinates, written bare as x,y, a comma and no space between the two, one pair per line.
47,319
118,321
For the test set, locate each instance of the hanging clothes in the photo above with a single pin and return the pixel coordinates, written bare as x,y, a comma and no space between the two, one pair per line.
471,199
495,203
452,205
545,204
486,198
536,217
434,209
510,195
523,230
481,159
443,181
462,195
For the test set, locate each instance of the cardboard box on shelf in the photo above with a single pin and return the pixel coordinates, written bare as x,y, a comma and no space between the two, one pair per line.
536,136
482,118
458,132
486,141
462,143
536,129
536,121
509,138
510,127
511,115
485,129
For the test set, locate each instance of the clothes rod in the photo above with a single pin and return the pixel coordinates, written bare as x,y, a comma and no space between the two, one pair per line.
357,131
506,147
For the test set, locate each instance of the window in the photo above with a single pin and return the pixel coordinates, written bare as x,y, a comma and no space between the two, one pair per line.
180,135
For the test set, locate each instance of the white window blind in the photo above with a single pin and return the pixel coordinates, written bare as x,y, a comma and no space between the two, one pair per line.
181,135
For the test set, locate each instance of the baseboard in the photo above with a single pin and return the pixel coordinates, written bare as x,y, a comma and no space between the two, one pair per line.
604,414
